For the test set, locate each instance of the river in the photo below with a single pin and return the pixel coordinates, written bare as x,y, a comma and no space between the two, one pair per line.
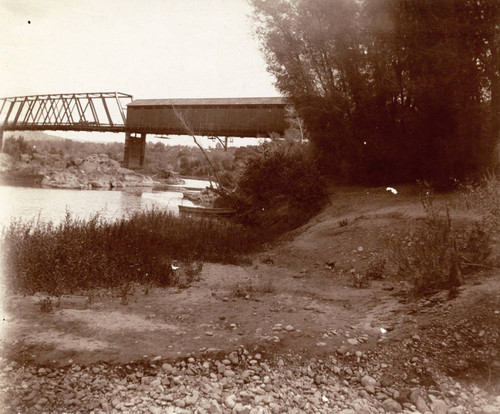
51,204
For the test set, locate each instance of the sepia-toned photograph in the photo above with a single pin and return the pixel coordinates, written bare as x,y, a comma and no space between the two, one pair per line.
250,206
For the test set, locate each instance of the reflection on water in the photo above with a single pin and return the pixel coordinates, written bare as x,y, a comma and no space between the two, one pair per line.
51,204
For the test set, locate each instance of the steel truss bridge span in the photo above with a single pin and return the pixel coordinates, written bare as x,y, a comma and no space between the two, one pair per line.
99,111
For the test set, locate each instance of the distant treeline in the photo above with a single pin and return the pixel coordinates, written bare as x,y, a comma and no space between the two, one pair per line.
160,158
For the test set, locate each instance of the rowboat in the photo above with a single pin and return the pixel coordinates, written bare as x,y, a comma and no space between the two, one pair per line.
207,211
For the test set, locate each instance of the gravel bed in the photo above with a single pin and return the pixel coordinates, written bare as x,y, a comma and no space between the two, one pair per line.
239,382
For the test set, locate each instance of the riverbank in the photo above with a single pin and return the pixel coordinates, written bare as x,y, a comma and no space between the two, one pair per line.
306,336
97,171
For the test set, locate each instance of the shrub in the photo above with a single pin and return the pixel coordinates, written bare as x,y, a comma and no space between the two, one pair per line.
434,253
83,254
482,198
428,256
279,185
17,146
359,281
376,268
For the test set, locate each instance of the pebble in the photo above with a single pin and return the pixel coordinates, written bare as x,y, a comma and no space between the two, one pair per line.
391,406
230,401
439,407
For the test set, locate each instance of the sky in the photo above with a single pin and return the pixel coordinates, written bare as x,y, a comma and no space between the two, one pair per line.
146,48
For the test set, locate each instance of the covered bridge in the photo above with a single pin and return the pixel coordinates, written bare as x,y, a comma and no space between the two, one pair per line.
214,117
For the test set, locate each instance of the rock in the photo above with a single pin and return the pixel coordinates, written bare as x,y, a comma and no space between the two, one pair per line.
215,408
489,409
233,357
181,403
391,406
370,389
42,401
241,409
193,398
342,350
115,402
457,410
230,401
413,395
439,407
421,405
353,341
386,382
167,368
63,179
154,410
289,328
367,380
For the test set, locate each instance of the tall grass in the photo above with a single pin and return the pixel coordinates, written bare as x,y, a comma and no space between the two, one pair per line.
82,254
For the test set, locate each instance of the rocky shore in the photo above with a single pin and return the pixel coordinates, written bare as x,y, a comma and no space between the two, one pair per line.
97,171
238,382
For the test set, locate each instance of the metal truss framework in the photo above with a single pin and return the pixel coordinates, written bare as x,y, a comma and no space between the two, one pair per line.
100,111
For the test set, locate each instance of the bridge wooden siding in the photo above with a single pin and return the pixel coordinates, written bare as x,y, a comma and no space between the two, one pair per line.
235,117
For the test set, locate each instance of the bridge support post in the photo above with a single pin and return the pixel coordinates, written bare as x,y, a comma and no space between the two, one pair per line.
1,140
135,150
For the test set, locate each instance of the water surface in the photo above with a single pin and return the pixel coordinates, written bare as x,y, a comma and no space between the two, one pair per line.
51,204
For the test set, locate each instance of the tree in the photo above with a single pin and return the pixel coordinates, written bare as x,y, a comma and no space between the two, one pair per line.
389,89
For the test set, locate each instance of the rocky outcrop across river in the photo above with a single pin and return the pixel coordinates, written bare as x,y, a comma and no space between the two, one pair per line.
52,170
96,171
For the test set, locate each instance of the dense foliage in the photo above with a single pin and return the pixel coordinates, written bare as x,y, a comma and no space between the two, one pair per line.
279,186
83,254
390,90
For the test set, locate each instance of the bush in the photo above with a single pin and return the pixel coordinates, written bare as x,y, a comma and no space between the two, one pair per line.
434,253
482,198
79,254
279,185
17,146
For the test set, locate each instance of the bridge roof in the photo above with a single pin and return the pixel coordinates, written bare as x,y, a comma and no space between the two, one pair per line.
209,102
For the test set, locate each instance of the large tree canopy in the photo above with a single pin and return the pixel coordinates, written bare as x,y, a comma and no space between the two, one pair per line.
389,89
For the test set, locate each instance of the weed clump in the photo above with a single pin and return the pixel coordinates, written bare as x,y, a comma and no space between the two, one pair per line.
376,268
434,254
359,280
83,254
